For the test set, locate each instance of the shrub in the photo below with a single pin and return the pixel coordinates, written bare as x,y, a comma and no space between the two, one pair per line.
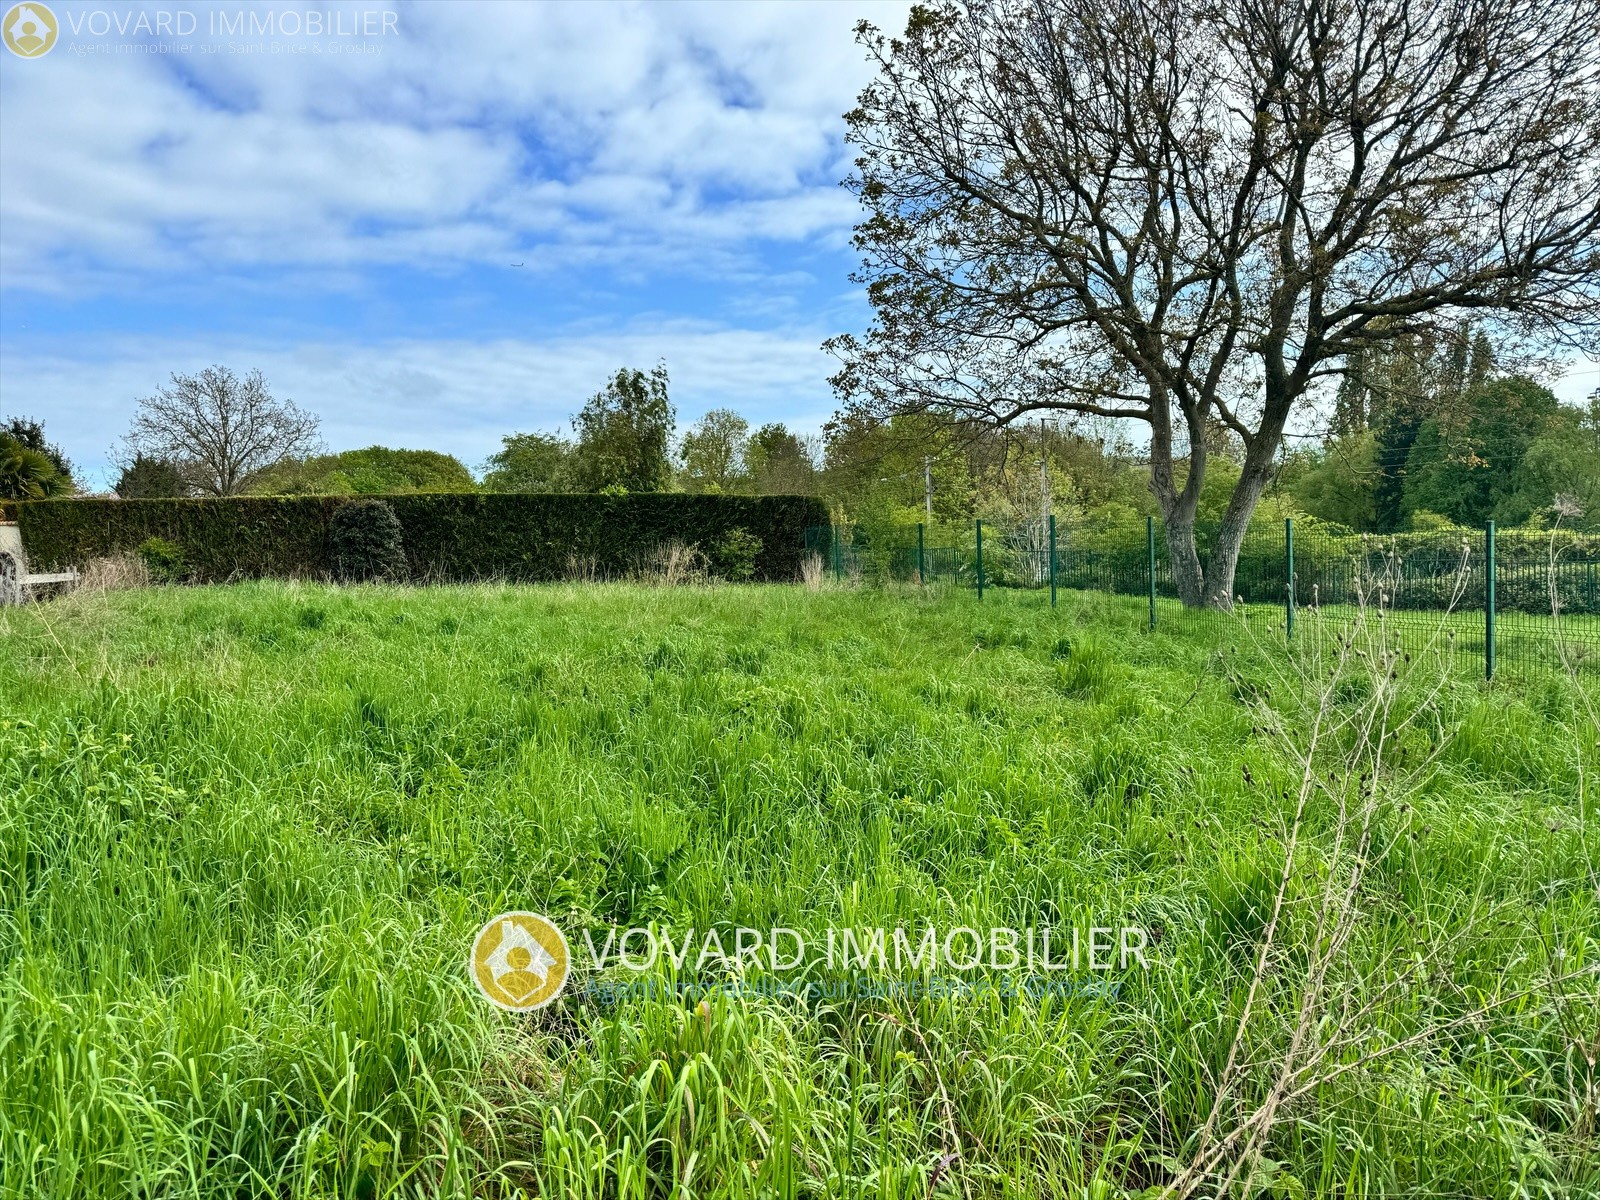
733,555
366,542
163,559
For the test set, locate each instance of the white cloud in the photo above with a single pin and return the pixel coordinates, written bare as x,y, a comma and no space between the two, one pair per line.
644,134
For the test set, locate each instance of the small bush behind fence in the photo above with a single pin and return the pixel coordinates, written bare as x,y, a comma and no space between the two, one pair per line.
1543,605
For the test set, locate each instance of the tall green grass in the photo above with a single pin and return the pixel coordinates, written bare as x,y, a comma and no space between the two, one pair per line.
247,834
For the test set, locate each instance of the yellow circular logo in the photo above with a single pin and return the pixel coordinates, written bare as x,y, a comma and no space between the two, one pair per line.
520,961
29,30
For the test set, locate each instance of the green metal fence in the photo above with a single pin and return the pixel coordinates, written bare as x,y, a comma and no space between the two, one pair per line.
1504,597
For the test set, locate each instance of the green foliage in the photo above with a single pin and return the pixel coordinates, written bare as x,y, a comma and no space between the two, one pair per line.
733,555
1559,476
713,452
222,537
374,471
1467,464
147,478
529,462
30,434
163,559
466,536
1338,484
27,474
1392,389
1423,521
625,435
875,469
778,463
365,543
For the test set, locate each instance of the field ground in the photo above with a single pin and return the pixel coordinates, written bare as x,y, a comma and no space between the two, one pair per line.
247,834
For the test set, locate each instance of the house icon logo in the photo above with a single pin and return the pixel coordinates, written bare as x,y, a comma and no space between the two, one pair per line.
520,961
29,30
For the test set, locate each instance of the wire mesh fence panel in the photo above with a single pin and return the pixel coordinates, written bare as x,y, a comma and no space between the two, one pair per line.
894,555
1497,598
1547,599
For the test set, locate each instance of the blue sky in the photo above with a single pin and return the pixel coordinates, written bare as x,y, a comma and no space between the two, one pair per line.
345,212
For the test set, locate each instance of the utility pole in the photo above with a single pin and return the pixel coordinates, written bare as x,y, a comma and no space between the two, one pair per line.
1044,477
1047,529
927,487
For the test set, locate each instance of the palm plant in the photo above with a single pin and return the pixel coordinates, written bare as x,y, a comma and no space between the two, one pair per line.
28,474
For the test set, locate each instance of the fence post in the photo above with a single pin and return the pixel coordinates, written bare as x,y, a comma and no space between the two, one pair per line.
1150,569
1488,600
922,566
838,557
980,558
1288,559
1052,560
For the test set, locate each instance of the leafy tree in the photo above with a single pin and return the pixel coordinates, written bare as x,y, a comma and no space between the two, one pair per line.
875,469
780,463
222,431
374,471
1339,485
147,478
529,462
1560,473
713,452
625,435
1189,213
1467,466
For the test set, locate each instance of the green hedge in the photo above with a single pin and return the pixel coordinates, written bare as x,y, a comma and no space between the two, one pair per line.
447,536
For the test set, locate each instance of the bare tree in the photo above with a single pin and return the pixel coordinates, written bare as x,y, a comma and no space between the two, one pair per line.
1188,212
220,430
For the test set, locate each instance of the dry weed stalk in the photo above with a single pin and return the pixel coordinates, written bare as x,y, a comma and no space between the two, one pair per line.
114,573
673,564
1350,715
812,572
583,568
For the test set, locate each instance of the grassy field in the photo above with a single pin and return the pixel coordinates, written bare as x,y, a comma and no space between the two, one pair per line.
248,833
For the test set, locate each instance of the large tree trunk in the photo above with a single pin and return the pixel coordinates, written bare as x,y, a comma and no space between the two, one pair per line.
1178,505
1210,585
1253,479
1183,559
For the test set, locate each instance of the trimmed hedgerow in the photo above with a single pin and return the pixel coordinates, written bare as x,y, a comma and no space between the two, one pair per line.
237,537
446,536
